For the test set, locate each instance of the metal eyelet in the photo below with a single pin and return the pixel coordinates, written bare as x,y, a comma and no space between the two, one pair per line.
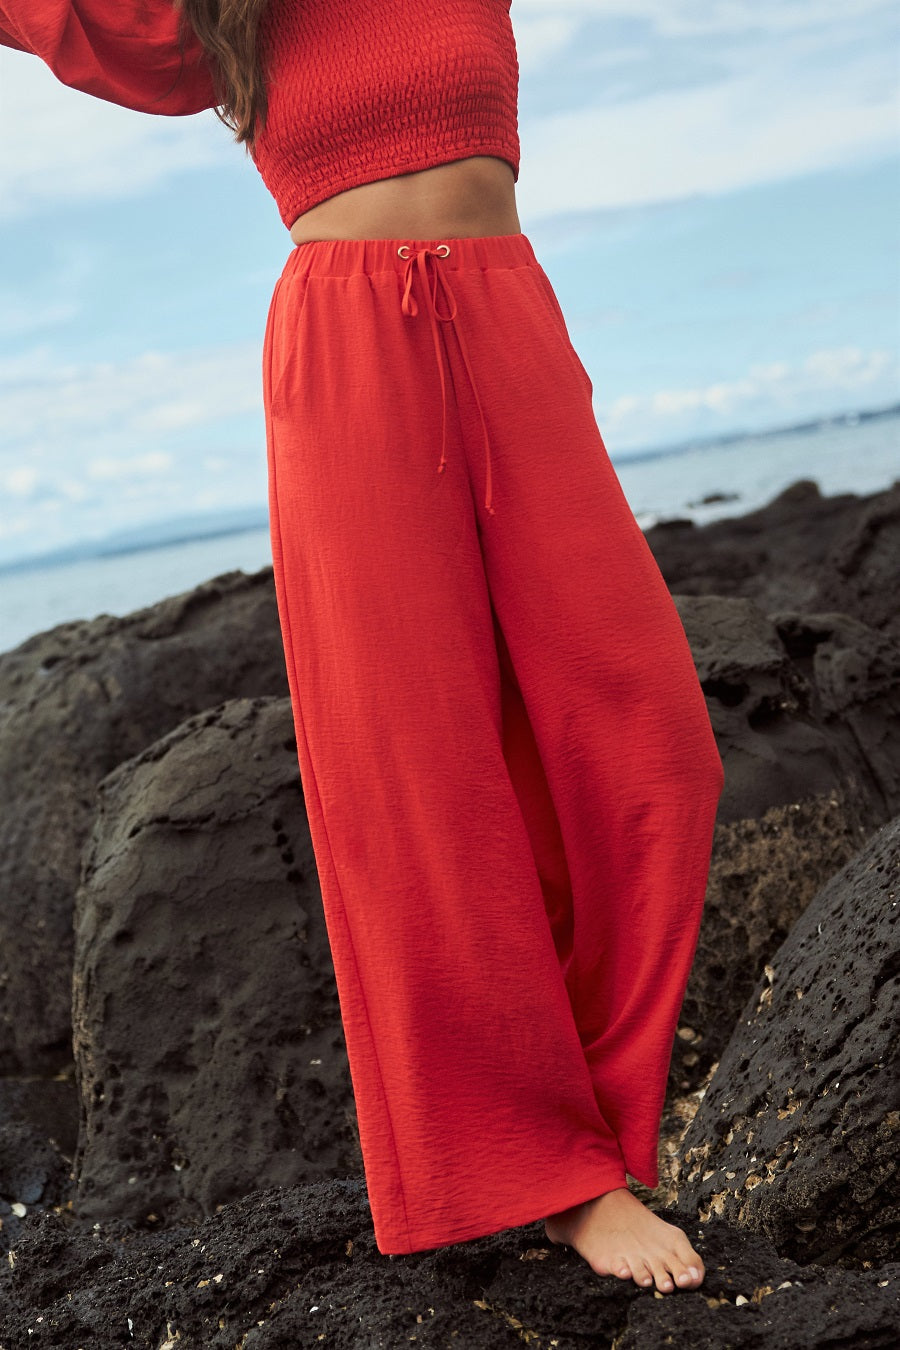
442,250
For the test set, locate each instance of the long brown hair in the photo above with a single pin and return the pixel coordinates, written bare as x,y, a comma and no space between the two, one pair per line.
227,30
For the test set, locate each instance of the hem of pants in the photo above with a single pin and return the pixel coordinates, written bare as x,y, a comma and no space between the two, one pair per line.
648,1176
592,1183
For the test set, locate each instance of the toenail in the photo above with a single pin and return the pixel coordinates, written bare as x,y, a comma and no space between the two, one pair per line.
694,1271
683,1277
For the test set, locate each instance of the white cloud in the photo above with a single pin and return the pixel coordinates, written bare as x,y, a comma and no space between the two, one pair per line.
84,445
767,394
48,402
540,38
114,468
775,107
685,18
20,482
848,367
755,127
61,145
657,100
18,318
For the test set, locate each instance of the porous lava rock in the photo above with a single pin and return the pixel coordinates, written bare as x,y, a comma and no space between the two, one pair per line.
203,960
804,707
160,897
75,702
798,1133
806,713
208,1042
762,876
37,1143
800,551
800,705
297,1268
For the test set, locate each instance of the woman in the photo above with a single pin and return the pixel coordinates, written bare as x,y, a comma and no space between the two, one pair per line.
508,767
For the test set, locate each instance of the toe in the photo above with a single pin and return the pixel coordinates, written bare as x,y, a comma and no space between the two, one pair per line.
661,1274
643,1275
684,1276
687,1269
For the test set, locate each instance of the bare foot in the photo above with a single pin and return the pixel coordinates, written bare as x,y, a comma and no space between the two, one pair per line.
617,1235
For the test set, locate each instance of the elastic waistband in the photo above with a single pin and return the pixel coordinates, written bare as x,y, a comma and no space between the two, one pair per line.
349,257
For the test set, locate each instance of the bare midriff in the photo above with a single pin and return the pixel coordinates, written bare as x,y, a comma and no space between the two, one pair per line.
467,198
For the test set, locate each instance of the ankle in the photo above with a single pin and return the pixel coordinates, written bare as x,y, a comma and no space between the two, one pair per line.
575,1211
612,1196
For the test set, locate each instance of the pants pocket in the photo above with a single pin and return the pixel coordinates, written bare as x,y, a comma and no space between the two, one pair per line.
283,344
550,296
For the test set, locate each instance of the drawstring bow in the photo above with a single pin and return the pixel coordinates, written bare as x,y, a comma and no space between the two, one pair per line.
418,262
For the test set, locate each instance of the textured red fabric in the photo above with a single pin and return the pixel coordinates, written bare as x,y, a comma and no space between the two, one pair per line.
507,762
508,767
123,51
377,88
356,92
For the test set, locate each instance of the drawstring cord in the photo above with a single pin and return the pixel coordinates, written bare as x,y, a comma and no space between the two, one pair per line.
419,260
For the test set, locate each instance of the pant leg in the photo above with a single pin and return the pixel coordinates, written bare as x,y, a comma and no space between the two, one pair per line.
610,691
476,1106
536,804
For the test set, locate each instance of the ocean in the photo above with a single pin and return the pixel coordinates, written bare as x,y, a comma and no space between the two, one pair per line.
858,453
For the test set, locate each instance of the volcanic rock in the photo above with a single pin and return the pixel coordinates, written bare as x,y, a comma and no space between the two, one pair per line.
798,1134
207,1033
75,702
297,1268
801,551
806,712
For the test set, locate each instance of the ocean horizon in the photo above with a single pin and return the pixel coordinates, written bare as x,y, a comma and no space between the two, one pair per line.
700,480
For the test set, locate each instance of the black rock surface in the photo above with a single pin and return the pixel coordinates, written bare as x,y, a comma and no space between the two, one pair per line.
161,745
207,1033
798,1133
801,551
806,712
297,1268
74,703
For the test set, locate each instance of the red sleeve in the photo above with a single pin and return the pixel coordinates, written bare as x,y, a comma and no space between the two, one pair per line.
124,51
7,40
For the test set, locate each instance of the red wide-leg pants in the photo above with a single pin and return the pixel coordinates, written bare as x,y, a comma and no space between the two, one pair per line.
506,758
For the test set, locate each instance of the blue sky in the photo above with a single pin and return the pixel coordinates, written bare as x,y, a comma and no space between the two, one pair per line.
712,186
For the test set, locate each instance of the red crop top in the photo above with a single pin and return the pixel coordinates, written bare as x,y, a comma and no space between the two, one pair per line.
356,91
